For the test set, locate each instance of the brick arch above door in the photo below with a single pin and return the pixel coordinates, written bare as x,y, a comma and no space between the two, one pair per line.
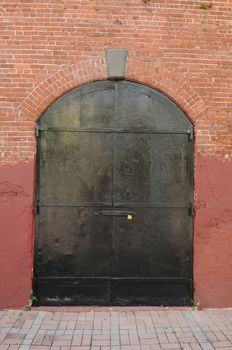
94,69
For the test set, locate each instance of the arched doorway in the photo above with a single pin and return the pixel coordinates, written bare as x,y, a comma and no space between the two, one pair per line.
114,198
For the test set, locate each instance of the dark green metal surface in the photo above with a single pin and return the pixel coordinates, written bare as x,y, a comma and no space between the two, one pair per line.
114,199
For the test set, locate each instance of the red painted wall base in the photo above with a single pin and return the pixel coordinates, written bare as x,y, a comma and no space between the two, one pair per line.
213,232
16,198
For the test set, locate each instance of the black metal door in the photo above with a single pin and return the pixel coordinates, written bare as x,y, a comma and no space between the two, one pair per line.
114,199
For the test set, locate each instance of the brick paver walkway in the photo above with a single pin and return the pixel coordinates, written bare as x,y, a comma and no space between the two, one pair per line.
124,329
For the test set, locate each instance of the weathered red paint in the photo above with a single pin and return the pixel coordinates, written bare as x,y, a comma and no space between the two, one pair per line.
16,198
213,231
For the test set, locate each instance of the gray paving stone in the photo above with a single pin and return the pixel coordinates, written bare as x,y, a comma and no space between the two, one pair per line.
39,318
200,336
169,330
27,342
24,347
150,330
207,346
14,330
177,329
114,331
160,330
115,336
114,342
195,329
5,330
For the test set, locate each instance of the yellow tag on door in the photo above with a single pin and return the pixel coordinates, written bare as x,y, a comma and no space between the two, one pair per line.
129,217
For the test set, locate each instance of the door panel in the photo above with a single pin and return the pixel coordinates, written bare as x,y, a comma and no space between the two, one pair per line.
151,291
155,243
65,112
74,244
152,169
132,165
68,241
141,107
97,105
152,258
151,178
74,256
53,291
171,170
136,102
75,167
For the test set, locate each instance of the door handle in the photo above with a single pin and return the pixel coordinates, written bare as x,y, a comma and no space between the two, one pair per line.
116,212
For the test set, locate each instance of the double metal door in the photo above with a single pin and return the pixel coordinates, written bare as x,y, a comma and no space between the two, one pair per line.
113,218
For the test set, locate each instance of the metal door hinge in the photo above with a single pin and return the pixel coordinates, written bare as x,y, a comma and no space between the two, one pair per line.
38,128
190,134
191,210
36,207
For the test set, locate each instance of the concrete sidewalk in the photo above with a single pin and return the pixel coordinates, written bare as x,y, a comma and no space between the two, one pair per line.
116,328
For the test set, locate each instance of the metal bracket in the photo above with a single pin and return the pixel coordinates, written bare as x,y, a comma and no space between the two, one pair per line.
115,212
190,135
38,128
191,210
36,207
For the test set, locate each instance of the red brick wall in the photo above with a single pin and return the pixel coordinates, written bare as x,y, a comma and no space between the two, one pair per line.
52,46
